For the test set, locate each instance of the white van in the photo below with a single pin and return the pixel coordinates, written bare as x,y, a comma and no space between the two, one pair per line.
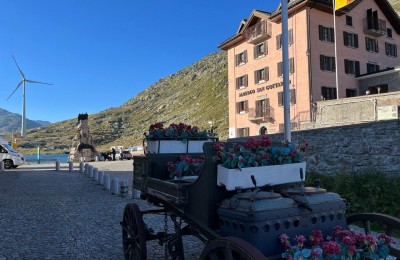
10,157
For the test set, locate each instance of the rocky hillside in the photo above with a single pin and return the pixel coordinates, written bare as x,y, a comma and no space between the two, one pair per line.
12,122
193,95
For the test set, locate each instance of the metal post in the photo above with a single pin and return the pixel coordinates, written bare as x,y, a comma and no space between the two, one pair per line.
1,166
107,185
70,166
81,167
101,178
285,64
57,165
95,174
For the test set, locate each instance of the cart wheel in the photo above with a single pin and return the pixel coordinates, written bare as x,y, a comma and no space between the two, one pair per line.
379,223
230,248
133,233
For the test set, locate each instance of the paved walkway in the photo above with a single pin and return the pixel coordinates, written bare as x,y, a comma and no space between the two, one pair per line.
48,214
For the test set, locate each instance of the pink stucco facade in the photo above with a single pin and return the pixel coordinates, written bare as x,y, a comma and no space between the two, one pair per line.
307,79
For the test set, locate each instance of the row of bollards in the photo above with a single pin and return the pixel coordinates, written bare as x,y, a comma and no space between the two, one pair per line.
114,185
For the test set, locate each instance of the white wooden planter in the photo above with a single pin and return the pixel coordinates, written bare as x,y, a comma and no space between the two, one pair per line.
264,175
175,146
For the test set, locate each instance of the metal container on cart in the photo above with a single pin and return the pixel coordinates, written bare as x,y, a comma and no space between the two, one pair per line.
260,217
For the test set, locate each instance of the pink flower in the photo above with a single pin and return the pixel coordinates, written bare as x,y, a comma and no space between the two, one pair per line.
331,248
283,238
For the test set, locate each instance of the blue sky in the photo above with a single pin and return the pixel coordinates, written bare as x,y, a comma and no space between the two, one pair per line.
100,53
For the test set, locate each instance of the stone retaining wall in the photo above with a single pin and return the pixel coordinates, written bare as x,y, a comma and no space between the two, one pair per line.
349,148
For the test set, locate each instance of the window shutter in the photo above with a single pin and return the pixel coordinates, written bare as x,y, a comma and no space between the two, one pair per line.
355,40
291,65
236,60
290,36
357,65
321,62
266,70
245,56
366,44
256,79
267,104
238,108
377,46
237,83
346,66
395,50
245,80
278,41
345,40
266,47
333,64
292,96
280,98
246,106
332,33
255,52
387,48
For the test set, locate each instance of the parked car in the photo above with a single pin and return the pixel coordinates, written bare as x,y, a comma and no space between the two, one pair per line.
125,155
136,150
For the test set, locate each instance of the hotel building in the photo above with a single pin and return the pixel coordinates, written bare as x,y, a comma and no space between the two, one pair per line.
367,36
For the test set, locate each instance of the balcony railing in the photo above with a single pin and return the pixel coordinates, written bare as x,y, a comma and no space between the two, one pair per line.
261,114
374,27
259,32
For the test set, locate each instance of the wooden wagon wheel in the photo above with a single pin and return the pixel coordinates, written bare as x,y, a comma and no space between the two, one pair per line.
230,248
133,233
390,225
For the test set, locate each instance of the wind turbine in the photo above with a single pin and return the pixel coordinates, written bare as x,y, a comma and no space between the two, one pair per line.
23,82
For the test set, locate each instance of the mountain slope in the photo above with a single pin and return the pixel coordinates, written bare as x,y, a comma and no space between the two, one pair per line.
193,95
11,122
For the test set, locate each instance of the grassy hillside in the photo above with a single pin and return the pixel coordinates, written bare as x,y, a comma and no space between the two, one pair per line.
193,95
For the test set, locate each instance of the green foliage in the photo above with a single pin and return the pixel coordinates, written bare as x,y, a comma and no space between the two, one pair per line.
368,191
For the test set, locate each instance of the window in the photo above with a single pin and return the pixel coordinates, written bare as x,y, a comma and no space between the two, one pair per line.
350,39
241,58
372,67
371,44
261,107
389,33
241,82
349,20
391,49
243,132
293,126
241,107
328,93
326,34
261,76
352,67
279,39
260,50
292,94
327,63
350,92
291,67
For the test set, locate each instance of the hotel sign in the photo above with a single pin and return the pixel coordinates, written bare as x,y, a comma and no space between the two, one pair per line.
261,89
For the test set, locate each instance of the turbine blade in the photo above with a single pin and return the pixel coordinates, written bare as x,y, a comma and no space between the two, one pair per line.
19,84
32,81
20,71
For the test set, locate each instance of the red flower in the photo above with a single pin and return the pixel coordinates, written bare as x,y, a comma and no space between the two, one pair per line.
331,248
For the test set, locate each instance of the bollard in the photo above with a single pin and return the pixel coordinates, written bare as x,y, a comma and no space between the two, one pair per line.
57,165
81,167
95,174
86,168
106,179
101,179
124,188
1,166
70,166
90,171
114,186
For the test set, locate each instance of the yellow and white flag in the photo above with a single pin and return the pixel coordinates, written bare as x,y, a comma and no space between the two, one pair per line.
342,3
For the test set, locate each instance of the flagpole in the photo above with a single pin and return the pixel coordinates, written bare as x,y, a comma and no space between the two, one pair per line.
285,64
336,57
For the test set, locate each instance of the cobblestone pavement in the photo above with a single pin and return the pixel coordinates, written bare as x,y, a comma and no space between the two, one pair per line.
48,214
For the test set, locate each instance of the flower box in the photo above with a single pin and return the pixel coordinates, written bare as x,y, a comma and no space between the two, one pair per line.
264,175
175,146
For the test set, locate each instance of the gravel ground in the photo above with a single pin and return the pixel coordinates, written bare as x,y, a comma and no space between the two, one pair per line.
49,214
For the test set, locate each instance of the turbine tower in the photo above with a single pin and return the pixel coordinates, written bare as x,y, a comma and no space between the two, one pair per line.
23,82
